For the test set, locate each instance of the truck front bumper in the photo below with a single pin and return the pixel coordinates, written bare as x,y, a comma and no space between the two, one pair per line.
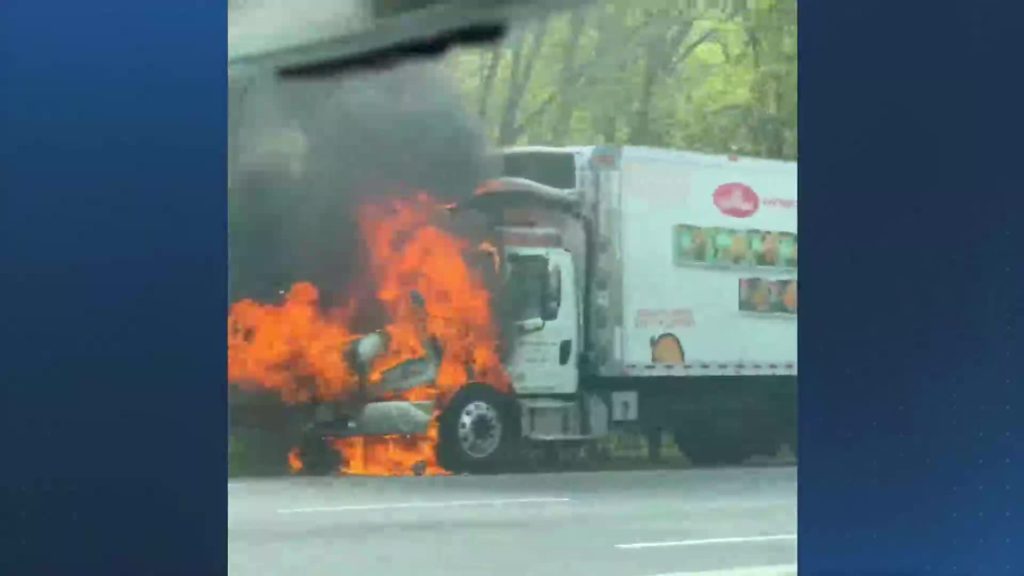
385,418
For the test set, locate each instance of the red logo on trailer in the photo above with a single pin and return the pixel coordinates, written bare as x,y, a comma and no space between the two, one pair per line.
736,200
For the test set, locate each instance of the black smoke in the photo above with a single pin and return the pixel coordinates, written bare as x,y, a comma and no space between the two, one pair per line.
306,152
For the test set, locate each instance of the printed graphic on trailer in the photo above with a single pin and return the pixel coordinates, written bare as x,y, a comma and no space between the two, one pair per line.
665,347
768,296
696,246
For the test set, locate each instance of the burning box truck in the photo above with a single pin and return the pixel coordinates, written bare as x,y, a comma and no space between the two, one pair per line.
654,291
579,292
642,290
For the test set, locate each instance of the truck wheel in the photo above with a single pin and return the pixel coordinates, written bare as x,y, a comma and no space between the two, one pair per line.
478,430
712,449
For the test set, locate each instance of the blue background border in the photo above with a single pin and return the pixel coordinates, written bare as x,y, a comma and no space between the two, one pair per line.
910,326
113,176
112,230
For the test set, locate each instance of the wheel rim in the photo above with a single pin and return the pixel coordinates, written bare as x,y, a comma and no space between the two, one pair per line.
479,429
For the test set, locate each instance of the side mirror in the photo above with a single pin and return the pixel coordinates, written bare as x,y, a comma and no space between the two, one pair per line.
552,297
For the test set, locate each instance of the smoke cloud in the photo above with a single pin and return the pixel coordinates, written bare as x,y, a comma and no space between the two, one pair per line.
305,153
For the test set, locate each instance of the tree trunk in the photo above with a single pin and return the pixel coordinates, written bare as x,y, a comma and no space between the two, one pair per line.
661,58
610,54
494,61
569,76
640,131
610,129
523,60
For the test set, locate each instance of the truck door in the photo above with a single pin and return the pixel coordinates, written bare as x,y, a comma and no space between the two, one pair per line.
540,292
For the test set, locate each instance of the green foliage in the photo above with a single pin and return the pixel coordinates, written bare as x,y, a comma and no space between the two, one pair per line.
644,72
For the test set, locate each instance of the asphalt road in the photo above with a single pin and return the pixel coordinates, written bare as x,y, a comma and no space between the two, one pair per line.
739,522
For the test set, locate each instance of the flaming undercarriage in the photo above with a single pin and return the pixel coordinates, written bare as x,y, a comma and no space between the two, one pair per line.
383,413
424,393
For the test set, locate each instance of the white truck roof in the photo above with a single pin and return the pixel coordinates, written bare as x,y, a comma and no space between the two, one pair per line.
663,154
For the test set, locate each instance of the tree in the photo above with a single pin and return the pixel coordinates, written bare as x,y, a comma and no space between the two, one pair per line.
523,60
648,72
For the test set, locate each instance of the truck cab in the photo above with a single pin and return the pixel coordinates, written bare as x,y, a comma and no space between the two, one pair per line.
540,296
542,245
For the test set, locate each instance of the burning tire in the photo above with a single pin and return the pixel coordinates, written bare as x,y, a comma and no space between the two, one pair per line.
478,431
318,457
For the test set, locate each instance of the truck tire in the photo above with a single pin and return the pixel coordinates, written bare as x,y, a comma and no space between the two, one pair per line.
712,448
478,431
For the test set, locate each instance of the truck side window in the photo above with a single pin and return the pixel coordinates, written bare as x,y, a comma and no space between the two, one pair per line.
552,293
524,287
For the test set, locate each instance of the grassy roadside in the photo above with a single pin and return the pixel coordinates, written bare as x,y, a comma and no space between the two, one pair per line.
254,454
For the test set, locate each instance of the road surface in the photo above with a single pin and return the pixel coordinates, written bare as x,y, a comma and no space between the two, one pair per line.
739,522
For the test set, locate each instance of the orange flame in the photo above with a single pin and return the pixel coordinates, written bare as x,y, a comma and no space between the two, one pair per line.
412,252
294,461
297,350
291,348
390,455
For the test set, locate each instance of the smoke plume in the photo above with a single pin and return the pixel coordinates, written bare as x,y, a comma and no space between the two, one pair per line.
306,153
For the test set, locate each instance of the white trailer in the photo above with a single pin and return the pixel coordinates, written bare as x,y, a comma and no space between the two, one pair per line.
655,290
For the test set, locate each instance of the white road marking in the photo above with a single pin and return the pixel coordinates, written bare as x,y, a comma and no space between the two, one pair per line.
706,541
401,505
784,570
